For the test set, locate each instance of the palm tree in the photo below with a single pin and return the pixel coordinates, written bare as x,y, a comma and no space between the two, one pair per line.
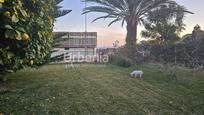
131,12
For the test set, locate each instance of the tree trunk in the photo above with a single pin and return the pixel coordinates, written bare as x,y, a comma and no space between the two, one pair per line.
131,37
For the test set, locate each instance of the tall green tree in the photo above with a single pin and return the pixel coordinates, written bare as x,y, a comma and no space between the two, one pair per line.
165,24
131,12
58,11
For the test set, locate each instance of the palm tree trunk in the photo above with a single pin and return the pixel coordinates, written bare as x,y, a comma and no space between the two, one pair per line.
131,37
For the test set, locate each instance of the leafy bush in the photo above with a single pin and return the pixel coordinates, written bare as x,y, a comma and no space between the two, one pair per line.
132,53
25,33
189,54
128,55
120,60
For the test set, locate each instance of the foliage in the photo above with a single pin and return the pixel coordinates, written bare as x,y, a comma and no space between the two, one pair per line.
58,12
120,60
25,33
128,55
189,51
133,53
165,23
188,54
131,12
58,37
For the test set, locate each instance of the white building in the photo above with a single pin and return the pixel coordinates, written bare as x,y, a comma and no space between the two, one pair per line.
75,47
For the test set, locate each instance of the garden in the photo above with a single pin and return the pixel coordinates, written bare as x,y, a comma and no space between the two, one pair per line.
102,89
172,65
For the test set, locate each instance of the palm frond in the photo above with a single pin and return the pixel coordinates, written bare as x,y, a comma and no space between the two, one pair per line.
103,17
114,21
58,11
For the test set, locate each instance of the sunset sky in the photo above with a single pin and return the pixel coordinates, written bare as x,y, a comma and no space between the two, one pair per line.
74,22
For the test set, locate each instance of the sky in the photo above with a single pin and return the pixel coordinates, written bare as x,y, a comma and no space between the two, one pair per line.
75,22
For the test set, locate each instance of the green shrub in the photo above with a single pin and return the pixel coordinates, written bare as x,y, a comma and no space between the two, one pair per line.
127,56
25,33
120,60
132,53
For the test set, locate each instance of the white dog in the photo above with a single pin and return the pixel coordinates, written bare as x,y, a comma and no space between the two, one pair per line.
137,73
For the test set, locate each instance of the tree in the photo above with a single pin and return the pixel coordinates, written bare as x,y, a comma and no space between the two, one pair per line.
58,12
193,48
133,12
25,33
188,52
165,24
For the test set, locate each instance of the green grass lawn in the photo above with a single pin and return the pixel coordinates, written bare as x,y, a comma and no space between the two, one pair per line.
102,89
